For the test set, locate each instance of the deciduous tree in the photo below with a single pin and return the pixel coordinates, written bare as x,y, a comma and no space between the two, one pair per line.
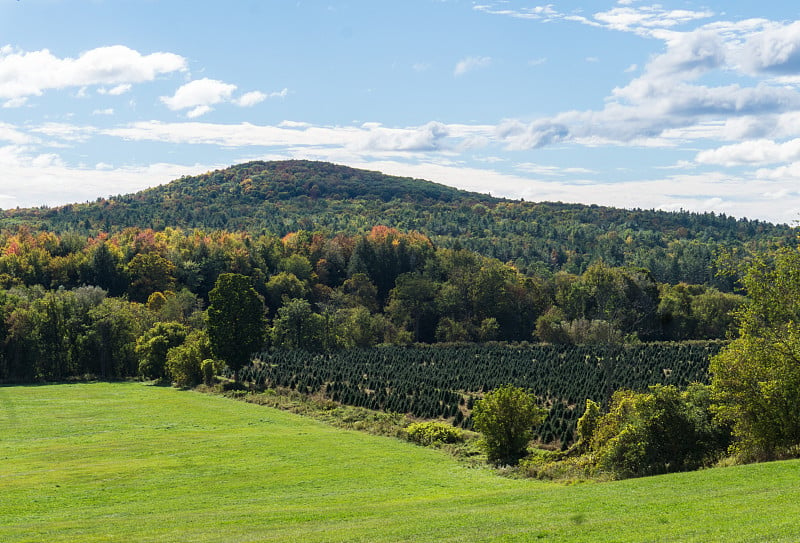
236,322
506,417
756,379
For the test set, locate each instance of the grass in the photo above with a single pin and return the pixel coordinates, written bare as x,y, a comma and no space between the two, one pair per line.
130,462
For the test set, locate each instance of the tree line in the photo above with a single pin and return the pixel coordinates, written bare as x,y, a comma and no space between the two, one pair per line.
87,299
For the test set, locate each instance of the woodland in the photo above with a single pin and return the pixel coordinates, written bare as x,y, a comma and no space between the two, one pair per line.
408,296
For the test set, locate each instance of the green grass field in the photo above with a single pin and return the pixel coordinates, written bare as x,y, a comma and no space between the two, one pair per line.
130,462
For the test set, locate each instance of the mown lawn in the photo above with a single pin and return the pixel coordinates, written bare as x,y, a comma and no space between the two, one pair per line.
131,462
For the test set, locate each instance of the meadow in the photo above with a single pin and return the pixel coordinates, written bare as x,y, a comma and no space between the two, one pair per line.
134,462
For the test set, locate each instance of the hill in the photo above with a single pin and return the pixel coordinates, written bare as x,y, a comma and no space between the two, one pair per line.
129,462
541,238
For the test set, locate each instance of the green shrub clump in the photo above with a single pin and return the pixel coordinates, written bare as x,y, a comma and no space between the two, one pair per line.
434,433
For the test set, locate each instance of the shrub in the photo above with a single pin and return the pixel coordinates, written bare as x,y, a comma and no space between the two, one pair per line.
506,417
184,361
661,431
430,433
209,368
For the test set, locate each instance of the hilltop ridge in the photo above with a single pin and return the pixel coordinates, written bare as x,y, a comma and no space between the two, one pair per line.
287,196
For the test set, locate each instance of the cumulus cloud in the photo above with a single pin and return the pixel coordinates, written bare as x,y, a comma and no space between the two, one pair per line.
249,99
518,135
45,179
471,63
774,50
755,152
10,134
199,95
424,138
666,103
24,74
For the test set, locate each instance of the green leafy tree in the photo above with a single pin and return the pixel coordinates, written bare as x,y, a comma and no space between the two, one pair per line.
149,273
284,286
297,327
756,379
661,431
153,345
184,362
412,303
236,322
357,327
111,338
507,417
103,270
449,331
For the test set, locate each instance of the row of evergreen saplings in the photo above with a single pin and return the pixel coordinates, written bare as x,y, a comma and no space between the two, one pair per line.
444,381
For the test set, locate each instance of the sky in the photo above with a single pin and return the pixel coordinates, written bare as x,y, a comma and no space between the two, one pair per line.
675,105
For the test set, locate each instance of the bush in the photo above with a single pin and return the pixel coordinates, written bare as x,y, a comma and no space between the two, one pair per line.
430,433
184,361
506,417
662,431
209,368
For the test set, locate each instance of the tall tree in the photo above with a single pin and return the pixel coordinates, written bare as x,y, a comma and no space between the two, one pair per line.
756,379
236,322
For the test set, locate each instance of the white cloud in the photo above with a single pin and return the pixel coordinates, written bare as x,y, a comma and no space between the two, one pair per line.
283,93
199,95
519,136
66,132
535,13
10,134
198,111
643,19
115,91
424,138
24,74
540,169
16,102
758,152
249,99
471,63
106,111
774,50
45,179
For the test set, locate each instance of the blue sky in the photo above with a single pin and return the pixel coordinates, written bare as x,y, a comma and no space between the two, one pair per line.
677,105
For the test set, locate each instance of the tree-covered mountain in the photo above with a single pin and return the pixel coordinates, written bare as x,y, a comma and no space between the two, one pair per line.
540,238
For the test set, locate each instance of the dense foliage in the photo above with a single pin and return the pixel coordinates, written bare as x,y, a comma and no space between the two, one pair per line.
756,378
539,238
444,381
236,322
73,305
506,418
661,431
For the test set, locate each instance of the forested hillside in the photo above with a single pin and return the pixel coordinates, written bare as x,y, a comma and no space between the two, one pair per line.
538,238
